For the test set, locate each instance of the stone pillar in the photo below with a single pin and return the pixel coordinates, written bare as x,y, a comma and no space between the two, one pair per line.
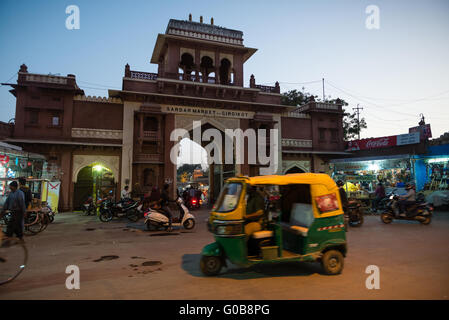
128,141
66,167
169,167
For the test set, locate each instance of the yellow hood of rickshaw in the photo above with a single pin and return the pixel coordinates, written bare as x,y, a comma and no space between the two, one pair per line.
321,184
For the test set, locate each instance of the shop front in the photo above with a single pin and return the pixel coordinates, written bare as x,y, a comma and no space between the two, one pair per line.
15,163
361,175
432,169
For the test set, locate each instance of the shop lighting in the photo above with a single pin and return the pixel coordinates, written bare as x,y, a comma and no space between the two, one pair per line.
438,160
373,166
98,168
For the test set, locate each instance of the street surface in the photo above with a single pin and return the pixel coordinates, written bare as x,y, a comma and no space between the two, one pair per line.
413,261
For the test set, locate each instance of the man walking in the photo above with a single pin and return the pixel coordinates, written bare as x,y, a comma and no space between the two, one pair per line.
16,204
26,192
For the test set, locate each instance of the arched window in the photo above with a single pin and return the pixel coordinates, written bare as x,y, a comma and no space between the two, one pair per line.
187,64
224,71
207,66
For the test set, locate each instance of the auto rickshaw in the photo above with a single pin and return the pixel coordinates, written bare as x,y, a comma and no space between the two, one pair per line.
305,224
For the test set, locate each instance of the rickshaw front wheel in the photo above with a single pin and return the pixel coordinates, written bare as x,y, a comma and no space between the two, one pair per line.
211,265
332,262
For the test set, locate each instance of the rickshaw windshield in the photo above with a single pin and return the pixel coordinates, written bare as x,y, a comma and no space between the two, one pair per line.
229,197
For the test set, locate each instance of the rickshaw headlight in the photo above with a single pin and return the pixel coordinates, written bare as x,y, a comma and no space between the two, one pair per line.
229,229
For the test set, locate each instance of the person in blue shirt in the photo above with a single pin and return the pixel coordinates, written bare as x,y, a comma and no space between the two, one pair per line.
16,204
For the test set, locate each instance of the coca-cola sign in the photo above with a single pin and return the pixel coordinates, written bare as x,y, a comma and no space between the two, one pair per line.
372,143
383,142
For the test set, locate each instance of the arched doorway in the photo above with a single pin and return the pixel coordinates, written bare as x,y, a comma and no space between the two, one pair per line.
294,169
94,180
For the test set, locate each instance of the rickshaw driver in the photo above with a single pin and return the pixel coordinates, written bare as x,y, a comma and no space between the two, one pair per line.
254,211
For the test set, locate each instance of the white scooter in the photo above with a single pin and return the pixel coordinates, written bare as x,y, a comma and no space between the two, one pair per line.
155,219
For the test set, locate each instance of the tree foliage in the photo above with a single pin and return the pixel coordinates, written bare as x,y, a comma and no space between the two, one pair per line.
350,128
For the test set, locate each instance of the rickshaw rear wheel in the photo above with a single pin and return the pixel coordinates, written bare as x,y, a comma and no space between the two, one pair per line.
332,262
211,265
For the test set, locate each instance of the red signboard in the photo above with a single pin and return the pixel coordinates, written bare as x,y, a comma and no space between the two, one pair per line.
372,143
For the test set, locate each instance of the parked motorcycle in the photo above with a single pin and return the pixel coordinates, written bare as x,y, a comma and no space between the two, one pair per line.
124,208
155,219
89,207
353,215
420,211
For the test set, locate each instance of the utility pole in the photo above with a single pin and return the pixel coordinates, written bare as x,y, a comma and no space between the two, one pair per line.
358,118
323,91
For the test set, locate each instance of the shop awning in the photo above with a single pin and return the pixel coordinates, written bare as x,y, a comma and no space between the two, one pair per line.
315,152
399,156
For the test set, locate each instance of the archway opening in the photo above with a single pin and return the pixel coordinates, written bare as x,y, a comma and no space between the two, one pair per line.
224,71
187,65
95,181
294,169
207,66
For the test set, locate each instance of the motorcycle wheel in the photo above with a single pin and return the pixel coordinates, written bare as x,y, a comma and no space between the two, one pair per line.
357,223
105,216
132,215
189,224
150,226
386,218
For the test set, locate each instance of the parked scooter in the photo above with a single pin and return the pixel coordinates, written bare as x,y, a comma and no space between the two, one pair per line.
124,208
353,215
89,207
420,211
155,219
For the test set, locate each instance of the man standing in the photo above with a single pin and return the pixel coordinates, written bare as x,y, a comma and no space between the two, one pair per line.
26,191
15,203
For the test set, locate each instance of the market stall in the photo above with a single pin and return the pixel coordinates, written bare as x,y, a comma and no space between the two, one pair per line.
42,190
361,175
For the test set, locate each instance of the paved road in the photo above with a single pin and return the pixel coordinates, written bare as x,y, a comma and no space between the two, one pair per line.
413,261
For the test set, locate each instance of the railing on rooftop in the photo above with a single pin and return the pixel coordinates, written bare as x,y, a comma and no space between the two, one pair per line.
143,75
268,89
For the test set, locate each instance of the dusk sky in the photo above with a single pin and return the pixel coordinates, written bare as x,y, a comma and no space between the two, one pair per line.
394,73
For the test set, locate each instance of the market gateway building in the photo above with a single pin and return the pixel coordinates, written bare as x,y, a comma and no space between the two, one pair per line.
105,143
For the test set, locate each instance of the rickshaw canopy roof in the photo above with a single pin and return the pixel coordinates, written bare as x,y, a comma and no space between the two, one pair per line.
293,178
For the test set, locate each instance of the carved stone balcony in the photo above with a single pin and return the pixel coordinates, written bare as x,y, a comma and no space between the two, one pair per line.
150,135
298,143
148,158
143,75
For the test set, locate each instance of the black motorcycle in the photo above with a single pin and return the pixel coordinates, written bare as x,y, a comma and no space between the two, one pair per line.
124,208
420,211
353,215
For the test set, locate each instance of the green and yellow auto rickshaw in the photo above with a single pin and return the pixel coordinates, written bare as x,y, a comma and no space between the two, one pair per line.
302,220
